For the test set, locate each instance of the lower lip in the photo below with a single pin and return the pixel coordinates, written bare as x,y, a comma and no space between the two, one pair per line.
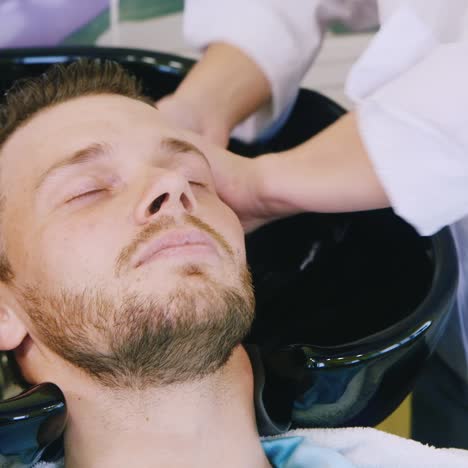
181,250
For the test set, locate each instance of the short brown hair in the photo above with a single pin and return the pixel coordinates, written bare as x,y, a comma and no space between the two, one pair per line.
59,84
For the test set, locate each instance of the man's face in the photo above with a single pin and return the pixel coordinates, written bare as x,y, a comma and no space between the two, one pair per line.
120,247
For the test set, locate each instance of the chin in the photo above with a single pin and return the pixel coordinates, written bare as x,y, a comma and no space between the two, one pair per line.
188,277
193,270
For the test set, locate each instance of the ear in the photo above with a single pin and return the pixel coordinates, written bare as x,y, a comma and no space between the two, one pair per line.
12,329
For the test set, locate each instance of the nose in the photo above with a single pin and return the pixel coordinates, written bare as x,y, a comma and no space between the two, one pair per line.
166,193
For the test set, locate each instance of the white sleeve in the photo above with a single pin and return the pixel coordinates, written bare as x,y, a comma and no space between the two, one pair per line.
410,87
282,37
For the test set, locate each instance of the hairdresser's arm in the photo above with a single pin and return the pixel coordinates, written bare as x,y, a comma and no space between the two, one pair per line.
329,173
255,55
222,89
406,144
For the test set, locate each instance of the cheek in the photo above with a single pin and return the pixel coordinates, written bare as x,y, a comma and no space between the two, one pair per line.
221,218
23,243
77,253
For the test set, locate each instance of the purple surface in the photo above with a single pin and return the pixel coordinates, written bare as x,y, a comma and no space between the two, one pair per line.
30,23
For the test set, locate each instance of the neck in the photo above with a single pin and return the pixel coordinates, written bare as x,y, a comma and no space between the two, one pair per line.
209,423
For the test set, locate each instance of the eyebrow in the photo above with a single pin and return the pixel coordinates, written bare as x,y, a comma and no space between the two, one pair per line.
96,151
176,145
82,156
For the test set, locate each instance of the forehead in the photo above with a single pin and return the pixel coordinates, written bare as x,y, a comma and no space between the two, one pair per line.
68,126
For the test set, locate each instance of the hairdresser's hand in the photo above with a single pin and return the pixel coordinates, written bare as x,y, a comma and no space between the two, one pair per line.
331,172
184,111
239,182
220,91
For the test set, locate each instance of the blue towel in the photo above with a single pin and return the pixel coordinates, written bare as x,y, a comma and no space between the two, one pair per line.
300,452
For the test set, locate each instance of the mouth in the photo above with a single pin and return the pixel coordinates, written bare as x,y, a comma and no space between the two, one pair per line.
176,243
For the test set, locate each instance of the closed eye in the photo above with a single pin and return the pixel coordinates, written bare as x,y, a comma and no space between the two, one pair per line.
84,195
197,184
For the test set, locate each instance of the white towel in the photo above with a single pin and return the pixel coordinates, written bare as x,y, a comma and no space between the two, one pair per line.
371,448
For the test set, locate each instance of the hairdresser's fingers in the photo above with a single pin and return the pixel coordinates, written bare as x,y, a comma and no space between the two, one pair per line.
182,113
238,182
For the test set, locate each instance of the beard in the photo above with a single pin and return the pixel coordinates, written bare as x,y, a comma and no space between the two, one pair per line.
141,341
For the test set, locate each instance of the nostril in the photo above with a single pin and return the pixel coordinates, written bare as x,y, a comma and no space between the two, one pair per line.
157,203
186,202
